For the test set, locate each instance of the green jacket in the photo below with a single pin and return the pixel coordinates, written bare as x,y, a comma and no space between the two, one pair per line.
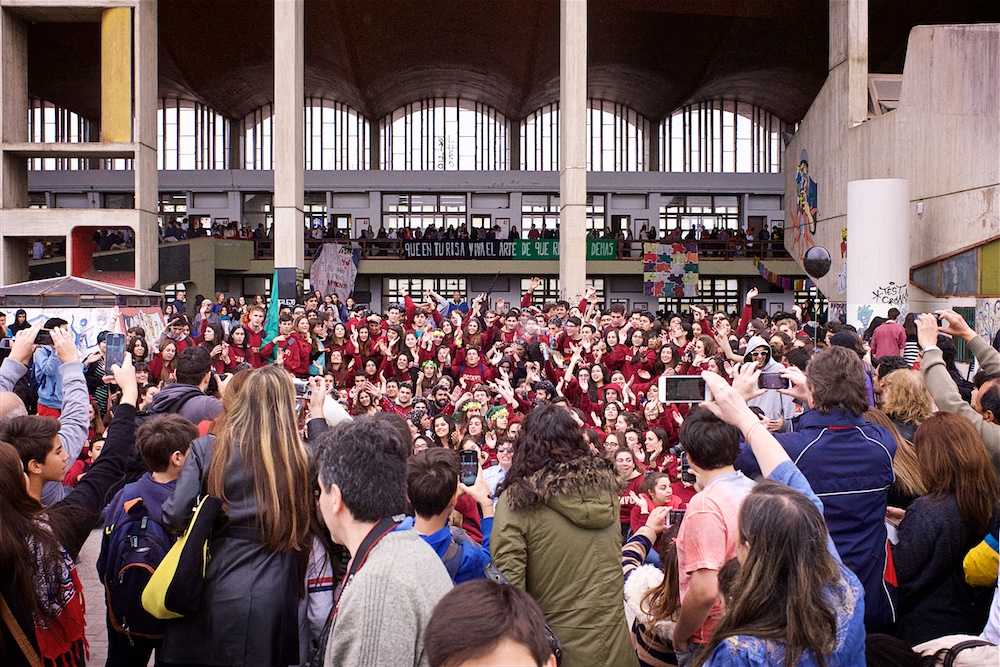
557,536
946,396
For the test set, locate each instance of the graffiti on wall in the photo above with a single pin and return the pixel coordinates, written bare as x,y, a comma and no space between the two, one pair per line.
806,211
865,316
988,318
891,295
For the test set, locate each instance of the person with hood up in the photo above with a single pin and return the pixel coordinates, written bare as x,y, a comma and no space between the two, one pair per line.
778,408
557,536
186,397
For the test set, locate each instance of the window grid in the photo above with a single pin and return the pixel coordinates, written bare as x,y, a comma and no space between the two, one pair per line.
191,136
706,212
395,288
713,293
445,134
809,296
48,123
616,138
542,211
337,136
420,211
721,136
258,133
548,290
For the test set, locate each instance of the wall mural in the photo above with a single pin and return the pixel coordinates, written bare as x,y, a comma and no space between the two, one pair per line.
988,318
806,211
865,316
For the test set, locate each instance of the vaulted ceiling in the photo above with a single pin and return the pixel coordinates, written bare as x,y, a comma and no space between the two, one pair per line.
377,55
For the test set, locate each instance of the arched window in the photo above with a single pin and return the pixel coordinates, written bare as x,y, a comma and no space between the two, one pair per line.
191,136
445,134
616,138
48,123
337,136
258,139
721,136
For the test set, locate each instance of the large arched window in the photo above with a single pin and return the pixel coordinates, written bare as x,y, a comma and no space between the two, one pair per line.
721,136
445,134
258,139
616,138
48,123
336,137
191,136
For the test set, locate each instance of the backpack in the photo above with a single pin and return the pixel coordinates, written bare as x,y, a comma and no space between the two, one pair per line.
452,557
130,551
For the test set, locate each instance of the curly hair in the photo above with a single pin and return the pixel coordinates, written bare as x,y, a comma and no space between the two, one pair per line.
905,397
548,436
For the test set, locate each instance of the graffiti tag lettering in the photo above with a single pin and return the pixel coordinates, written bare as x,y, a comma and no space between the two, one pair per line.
892,295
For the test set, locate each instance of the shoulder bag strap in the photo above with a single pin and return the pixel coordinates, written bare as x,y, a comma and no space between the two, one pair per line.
15,629
381,529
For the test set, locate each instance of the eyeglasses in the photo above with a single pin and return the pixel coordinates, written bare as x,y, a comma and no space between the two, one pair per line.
758,354
505,449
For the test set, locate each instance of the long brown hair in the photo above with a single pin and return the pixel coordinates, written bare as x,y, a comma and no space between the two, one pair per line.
23,519
954,462
260,422
662,602
904,464
780,592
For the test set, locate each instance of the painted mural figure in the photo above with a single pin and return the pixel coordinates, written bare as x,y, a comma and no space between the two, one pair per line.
805,187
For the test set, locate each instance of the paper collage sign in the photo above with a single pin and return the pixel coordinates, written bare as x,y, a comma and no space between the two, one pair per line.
670,269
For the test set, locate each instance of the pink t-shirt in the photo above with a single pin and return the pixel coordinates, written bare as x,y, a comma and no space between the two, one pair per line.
709,535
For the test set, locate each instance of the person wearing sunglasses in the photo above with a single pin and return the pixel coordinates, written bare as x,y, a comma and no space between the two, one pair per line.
495,475
778,408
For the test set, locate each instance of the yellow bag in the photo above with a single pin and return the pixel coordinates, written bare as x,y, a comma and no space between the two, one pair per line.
982,563
174,590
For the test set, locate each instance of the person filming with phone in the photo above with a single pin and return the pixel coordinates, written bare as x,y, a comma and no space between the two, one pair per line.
778,408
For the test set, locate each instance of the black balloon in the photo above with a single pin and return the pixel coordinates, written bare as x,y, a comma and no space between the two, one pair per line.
817,261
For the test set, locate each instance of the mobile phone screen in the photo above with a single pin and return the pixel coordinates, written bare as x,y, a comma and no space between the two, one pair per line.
681,389
772,381
469,459
115,351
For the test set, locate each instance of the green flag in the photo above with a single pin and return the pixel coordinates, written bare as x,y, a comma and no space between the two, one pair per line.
271,323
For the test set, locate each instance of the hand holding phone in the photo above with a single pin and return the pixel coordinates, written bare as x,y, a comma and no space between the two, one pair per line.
115,351
469,460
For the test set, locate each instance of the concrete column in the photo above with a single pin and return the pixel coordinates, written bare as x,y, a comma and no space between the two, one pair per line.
514,137
237,143
147,192
374,145
878,247
849,48
573,149
652,146
289,166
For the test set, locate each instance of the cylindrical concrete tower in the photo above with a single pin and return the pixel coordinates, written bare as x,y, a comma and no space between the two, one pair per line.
878,248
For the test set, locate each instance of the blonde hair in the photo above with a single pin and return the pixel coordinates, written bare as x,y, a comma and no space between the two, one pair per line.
909,480
905,397
260,422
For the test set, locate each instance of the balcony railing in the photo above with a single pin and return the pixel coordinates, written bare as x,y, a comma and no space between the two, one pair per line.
708,249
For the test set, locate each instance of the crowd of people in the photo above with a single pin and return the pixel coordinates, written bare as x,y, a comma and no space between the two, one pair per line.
480,482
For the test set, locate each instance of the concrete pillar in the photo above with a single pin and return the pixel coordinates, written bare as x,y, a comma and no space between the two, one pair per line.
878,248
652,146
375,145
514,138
289,155
573,148
237,143
147,184
849,48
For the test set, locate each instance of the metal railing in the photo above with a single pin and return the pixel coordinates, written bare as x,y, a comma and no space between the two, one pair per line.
708,249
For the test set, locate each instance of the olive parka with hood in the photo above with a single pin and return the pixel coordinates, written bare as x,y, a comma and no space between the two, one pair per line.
557,536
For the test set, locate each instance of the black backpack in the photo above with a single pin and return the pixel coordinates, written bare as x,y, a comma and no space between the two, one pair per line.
130,551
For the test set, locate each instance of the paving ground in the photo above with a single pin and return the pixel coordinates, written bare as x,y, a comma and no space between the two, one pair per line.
94,595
